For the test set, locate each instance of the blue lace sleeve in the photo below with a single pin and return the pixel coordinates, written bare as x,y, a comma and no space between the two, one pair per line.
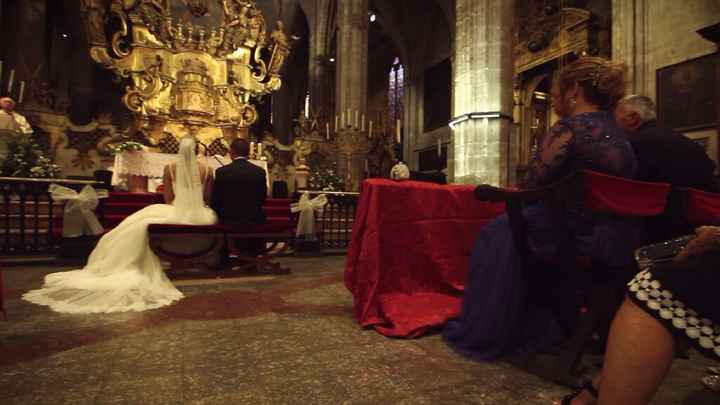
549,156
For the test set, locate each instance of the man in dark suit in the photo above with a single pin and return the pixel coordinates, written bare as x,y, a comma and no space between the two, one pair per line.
239,194
664,156
240,188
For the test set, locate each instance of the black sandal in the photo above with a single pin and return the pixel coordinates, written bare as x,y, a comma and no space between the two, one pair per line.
586,385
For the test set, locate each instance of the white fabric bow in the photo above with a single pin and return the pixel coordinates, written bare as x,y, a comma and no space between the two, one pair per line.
79,216
307,208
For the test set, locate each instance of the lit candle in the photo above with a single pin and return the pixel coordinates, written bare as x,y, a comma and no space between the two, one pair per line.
336,122
397,131
327,130
259,149
362,123
439,151
349,117
357,123
10,81
252,149
342,119
370,130
22,91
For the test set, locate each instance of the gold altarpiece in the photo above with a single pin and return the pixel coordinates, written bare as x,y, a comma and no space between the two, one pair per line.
192,66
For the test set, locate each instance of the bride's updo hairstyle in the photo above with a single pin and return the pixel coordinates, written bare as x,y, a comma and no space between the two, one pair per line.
603,82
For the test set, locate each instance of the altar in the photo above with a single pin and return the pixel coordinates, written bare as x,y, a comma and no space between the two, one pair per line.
138,167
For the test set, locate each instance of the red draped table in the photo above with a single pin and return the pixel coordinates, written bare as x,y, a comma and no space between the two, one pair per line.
409,253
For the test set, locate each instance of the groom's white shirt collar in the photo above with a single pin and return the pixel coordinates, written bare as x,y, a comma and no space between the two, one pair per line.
240,158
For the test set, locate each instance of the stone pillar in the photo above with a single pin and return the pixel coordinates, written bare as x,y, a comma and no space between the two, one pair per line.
629,29
351,82
482,84
318,82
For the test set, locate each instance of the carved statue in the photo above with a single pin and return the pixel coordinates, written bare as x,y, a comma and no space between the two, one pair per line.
197,8
301,150
95,13
280,49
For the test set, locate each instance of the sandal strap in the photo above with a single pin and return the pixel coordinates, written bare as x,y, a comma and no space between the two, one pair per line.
585,385
588,385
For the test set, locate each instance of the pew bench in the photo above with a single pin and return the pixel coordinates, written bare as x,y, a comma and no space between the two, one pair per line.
201,246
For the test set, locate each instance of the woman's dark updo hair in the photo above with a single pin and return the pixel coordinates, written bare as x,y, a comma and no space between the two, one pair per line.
603,82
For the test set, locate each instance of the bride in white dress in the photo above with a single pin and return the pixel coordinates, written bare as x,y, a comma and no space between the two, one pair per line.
122,273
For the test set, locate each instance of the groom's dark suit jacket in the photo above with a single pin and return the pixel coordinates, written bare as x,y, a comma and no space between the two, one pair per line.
239,193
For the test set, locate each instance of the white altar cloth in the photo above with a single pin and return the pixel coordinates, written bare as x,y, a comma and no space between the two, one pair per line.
151,164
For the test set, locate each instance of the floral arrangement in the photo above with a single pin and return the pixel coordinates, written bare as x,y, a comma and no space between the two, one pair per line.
127,146
325,178
26,159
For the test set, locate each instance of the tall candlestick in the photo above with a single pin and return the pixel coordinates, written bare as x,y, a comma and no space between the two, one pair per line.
252,150
342,119
357,119
349,118
22,91
370,130
10,81
336,122
439,148
259,150
327,130
362,123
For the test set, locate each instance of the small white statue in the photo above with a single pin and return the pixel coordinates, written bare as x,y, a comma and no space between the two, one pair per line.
400,171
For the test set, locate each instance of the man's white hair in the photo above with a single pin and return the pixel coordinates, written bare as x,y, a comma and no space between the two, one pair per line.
642,105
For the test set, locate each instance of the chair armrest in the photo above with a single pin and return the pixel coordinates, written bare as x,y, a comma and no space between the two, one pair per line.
486,192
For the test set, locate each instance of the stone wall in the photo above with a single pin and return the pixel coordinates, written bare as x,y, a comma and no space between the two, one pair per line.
652,34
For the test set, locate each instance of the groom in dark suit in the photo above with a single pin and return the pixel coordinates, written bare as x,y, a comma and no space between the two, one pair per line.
240,188
239,195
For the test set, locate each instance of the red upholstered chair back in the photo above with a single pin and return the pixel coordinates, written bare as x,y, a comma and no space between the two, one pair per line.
625,197
701,207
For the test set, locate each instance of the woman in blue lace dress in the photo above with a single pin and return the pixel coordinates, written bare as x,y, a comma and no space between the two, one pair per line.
494,317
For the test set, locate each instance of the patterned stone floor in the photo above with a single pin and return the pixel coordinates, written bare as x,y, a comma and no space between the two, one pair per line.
255,340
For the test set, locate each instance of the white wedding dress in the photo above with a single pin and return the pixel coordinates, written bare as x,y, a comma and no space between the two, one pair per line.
122,273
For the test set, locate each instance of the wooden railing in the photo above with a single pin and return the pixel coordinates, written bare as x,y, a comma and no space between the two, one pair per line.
334,225
30,217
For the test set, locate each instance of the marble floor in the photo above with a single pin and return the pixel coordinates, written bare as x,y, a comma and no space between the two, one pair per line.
285,339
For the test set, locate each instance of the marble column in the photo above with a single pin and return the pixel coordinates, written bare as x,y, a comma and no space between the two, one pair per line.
629,41
482,86
318,77
351,84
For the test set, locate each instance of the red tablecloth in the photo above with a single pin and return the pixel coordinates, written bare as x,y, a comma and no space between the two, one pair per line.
409,253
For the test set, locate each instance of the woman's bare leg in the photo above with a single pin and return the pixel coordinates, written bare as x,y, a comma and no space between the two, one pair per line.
639,354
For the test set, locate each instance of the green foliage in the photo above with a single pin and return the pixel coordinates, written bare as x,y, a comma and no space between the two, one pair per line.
324,175
26,159
127,145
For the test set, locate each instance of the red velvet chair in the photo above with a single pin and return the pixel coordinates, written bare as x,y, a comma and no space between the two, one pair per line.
597,286
700,207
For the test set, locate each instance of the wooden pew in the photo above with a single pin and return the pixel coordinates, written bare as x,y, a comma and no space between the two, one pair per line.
193,246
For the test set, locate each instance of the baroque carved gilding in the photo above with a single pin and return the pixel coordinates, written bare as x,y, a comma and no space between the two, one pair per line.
553,36
194,63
